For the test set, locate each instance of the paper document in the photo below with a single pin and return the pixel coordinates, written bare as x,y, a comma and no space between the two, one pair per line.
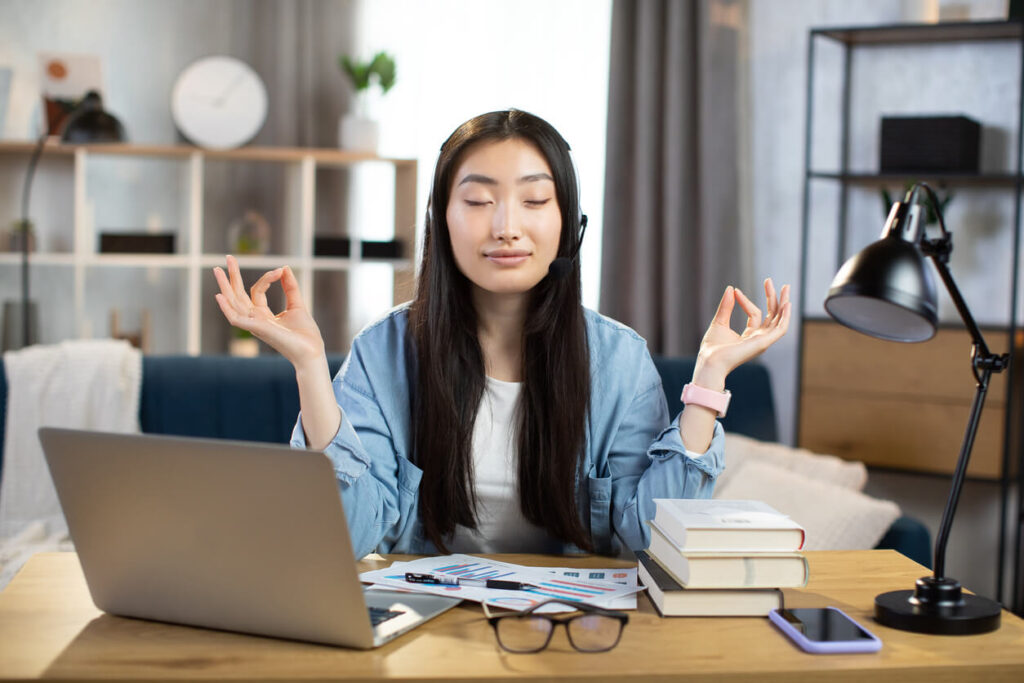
616,589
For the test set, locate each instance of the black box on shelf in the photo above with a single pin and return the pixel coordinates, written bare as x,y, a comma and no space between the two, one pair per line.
136,243
389,249
327,245
912,144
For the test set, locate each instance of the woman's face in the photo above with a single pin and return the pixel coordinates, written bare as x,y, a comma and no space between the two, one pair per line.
503,216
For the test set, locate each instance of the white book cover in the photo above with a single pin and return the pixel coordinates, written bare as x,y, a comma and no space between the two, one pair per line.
713,524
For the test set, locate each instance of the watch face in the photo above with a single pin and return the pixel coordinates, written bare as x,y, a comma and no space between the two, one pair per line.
219,102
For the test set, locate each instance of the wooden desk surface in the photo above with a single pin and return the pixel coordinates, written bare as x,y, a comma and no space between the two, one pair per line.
50,629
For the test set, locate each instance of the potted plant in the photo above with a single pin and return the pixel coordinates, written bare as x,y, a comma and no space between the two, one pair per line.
243,344
358,130
930,217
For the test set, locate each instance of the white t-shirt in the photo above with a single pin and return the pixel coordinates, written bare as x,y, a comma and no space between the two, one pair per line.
501,525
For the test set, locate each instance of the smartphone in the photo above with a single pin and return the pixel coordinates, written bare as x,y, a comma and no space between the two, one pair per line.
824,630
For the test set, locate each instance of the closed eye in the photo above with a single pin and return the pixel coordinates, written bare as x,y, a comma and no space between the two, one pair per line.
472,203
537,202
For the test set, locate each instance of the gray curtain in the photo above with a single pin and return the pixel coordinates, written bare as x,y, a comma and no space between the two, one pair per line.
672,198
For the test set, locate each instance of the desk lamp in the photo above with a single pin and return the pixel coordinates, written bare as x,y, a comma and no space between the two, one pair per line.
87,123
888,292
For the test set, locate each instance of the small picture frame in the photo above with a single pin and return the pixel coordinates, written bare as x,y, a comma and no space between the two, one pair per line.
64,80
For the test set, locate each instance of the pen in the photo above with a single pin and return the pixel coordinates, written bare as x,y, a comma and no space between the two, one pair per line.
442,580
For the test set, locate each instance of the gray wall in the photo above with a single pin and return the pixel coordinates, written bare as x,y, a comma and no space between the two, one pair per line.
932,79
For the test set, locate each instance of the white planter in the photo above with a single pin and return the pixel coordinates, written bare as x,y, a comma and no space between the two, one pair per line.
358,133
244,348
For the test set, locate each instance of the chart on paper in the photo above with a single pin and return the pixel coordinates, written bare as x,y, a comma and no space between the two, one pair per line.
602,587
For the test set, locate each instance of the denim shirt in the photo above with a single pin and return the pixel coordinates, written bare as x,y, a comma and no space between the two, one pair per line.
633,453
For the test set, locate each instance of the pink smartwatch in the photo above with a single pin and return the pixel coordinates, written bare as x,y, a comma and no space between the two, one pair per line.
716,400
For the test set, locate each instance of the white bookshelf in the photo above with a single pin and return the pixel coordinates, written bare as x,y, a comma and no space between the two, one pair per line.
300,166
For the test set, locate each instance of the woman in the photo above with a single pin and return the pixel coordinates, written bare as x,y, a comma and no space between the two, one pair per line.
494,413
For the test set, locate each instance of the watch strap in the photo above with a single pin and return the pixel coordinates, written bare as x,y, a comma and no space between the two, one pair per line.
715,400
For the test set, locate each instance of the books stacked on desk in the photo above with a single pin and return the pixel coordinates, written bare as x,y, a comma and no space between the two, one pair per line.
720,557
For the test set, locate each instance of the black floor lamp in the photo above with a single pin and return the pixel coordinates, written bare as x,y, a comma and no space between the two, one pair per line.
87,123
887,291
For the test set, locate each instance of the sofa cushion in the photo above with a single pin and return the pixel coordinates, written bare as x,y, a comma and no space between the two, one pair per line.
834,517
741,450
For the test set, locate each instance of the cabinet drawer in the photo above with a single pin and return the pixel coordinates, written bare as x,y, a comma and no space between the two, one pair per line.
895,405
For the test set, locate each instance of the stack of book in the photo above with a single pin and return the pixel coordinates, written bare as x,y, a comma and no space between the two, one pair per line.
720,557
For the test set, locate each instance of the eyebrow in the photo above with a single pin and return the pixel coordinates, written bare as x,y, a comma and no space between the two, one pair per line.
487,180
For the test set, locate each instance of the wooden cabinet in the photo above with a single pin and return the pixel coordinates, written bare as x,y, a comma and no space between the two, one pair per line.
899,406
69,240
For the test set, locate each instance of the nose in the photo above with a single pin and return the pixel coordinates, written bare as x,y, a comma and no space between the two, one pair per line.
505,223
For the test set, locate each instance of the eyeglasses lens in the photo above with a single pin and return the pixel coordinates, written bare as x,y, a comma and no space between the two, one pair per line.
523,635
594,632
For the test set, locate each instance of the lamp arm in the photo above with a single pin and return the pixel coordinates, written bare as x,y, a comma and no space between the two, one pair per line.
983,364
934,249
25,194
960,472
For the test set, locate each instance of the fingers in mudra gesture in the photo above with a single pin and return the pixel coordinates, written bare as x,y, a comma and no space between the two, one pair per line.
292,332
725,349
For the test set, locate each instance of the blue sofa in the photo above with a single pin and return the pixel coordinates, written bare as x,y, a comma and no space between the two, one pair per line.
256,399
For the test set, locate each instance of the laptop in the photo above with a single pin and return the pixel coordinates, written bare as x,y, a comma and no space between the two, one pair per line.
227,535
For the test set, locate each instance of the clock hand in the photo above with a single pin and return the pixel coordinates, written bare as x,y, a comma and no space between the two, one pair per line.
218,101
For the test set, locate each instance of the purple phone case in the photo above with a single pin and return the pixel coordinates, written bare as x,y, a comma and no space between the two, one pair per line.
826,648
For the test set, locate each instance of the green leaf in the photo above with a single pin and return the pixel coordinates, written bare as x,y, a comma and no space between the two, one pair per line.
383,65
358,72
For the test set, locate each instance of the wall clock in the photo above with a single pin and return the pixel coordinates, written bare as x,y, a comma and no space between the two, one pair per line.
219,102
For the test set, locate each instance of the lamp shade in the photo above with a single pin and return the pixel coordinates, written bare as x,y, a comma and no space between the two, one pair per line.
887,291
90,123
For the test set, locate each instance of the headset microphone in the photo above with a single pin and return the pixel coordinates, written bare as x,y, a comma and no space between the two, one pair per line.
562,265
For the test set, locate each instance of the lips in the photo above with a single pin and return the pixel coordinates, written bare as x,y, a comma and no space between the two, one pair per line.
507,257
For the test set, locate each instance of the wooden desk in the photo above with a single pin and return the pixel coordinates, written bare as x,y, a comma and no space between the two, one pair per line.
49,628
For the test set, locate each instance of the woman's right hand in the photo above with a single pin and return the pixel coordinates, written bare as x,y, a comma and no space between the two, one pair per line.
292,332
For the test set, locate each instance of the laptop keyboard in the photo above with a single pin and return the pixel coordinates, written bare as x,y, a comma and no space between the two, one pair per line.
379,615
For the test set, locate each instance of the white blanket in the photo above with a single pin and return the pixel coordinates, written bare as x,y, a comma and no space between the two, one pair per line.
88,384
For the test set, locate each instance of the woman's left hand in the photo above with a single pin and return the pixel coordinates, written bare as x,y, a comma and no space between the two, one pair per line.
722,349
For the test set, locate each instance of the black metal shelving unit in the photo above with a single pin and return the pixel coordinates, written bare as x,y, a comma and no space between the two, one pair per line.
860,37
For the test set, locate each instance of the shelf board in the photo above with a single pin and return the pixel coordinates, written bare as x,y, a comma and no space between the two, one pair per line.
923,33
37,259
975,179
139,260
268,262
322,156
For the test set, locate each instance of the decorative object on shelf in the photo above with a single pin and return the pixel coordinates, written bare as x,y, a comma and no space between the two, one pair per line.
931,218
328,245
219,102
19,231
140,338
243,344
65,79
358,131
136,243
88,123
390,249
249,234
888,292
923,144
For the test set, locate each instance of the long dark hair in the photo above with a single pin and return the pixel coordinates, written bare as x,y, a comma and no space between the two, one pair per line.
449,378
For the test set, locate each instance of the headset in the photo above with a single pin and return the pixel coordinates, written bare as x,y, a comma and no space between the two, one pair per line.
562,266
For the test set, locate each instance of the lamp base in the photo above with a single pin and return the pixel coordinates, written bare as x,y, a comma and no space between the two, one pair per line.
937,606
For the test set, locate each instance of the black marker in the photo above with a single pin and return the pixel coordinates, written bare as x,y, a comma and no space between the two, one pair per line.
443,580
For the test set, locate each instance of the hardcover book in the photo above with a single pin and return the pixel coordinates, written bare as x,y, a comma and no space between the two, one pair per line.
731,525
673,600
716,569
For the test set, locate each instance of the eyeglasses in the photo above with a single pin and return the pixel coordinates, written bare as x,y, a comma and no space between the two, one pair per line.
593,630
